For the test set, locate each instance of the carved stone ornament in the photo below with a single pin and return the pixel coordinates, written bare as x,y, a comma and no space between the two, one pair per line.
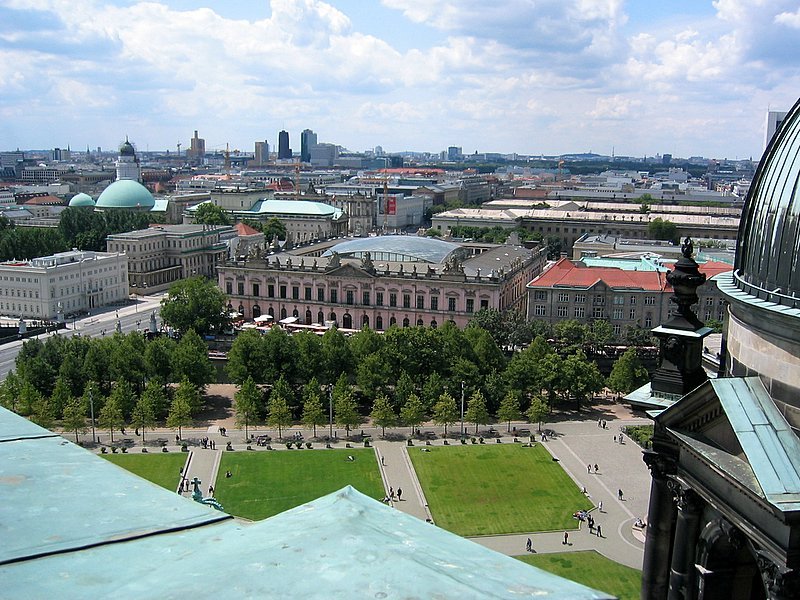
780,583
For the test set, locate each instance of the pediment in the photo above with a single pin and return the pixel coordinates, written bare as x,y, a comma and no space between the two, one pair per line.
349,270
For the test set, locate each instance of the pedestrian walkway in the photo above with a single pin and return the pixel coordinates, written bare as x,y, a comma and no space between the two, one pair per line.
399,474
203,464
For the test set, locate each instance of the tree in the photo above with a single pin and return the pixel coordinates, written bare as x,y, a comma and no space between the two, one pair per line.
383,414
10,391
247,399
125,397
144,414
313,411
158,358
537,410
195,303
509,409
336,355
75,417
60,397
157,397
373,373
111,416
628,373
413,412
432,390
189,391
43,412
247,358
278,413
180,412
662,229
403,389
445,411
208,213
190,359
581,377
272,228
345,410
476,410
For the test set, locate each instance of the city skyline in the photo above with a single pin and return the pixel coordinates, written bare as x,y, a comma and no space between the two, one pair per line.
690,78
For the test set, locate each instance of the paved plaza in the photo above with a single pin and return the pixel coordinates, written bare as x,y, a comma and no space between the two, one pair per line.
575,444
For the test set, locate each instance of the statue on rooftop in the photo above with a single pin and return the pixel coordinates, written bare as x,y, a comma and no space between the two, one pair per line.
687,248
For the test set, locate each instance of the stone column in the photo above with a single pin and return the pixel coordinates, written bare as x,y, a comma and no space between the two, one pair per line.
687,529
660,520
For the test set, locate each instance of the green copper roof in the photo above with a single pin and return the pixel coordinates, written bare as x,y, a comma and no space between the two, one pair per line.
126,193
81,200
75,526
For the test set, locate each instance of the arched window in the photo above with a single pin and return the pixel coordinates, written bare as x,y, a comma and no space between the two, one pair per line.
347,321
332,317
365,321
241,309
320,318
392,321
283,313
271,312
308,317
295,314
434,324
419,322
379,323
406,322
256,311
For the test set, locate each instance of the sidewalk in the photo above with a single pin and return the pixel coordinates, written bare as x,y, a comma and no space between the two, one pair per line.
203,464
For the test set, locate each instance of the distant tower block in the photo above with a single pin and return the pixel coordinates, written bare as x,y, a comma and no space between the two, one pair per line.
284,151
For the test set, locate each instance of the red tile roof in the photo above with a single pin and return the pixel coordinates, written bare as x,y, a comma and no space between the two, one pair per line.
242,229
566,274
44,200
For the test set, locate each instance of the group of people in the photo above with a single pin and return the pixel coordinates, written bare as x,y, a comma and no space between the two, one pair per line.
207,444
392,497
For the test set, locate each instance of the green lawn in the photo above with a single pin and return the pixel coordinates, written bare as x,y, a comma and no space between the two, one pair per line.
162,469
591,569
267,483
497,488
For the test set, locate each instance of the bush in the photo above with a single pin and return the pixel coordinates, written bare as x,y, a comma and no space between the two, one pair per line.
641,434
184,447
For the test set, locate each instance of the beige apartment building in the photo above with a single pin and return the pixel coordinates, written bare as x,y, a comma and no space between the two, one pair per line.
52,287
163,254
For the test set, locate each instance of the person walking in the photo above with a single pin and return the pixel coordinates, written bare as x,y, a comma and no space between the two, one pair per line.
399,493
599,531
588,468
596,469
528,545
600,506
619,494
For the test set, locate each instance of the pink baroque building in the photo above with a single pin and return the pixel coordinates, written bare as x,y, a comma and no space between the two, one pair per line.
381,281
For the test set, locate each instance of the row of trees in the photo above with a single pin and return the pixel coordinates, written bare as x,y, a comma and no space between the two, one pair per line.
78,228
411,371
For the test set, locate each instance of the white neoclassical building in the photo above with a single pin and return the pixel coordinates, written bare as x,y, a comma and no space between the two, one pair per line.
50,287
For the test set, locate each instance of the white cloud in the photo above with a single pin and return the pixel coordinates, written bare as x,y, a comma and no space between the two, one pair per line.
614,107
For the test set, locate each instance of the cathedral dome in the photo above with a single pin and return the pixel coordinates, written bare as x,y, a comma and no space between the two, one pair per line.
81,200
768,256
126,193
126,149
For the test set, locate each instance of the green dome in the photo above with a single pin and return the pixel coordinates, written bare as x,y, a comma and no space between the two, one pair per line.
126,193
81,200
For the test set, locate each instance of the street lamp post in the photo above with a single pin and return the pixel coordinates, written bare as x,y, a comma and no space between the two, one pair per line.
91,410
330,411
462,409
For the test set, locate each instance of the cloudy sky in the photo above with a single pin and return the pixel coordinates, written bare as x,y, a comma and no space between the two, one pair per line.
640,77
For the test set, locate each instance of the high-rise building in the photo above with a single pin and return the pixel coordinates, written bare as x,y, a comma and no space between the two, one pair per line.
774,120
284,151
261,156
197,149
307,139
454,153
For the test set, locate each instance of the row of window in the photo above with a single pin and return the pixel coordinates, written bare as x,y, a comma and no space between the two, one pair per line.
617,299
347,319
580,298
366,297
